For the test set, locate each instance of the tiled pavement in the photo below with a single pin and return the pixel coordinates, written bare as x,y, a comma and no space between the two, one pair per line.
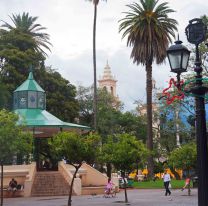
142,197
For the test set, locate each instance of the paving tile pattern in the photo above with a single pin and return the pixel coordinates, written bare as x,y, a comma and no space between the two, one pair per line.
139,197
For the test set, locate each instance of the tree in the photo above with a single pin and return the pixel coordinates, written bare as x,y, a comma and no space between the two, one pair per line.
17,53
133,124
148,29
124,151
26,24
95,2
60,93
13,141
76,149
111,120
184,158
105,106
85,100
3,96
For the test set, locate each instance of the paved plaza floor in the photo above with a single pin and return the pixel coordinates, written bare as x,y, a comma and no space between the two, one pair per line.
141,197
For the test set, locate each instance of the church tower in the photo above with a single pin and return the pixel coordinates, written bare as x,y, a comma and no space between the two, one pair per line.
108,82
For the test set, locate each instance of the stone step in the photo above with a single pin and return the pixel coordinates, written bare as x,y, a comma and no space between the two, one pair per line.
49,184
93,190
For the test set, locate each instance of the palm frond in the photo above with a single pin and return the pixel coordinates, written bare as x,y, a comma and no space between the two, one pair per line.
26,23
148,30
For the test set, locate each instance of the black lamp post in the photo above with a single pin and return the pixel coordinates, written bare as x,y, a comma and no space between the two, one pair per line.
178,56
196,32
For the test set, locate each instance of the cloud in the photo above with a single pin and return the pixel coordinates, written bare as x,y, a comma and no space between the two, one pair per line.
70,23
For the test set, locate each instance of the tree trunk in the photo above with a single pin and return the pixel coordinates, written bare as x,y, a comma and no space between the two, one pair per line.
149,117
94,67
2,183
189,189
72,183
177,176
109,169
126,198
177,128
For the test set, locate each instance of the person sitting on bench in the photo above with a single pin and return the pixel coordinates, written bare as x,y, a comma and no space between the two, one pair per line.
12,185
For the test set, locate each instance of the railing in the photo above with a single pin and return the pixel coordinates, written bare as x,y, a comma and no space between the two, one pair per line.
77,187
29,180
93,176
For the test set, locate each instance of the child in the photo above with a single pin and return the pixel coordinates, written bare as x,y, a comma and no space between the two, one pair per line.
109,186
187,182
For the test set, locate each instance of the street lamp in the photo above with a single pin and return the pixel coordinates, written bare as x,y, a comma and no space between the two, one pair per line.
178,56
196,33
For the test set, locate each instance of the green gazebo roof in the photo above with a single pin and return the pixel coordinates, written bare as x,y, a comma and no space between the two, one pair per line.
42,118
29,85
34,116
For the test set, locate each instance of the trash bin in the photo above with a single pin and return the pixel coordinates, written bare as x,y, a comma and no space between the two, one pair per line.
195,182
130,183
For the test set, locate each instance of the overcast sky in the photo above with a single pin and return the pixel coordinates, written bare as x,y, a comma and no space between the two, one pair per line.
70,23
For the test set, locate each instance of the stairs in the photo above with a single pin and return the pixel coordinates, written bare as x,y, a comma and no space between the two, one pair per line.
49,184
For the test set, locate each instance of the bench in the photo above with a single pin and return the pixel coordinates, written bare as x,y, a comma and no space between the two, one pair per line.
10,194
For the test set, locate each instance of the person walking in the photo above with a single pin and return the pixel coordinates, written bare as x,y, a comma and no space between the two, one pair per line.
187,183
166,180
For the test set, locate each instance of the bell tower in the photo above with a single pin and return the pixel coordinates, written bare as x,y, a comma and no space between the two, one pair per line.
108,82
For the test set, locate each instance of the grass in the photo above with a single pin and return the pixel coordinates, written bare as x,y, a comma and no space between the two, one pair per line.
158,184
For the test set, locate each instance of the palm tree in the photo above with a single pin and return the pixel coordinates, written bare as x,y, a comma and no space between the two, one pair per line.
95,2
26,24
149,30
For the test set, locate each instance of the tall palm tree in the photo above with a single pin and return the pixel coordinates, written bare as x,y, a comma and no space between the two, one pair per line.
149,30
95,3
26,24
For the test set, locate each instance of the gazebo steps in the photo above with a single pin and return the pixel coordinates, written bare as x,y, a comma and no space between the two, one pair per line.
49,184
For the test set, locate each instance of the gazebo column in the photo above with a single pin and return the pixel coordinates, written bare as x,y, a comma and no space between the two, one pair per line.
36,150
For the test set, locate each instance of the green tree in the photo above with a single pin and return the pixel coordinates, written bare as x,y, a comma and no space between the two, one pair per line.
108,114
106,108
26,24
60,94
13,141
148,29
85,100
133,124
17,52
184,158
3,96
76,149
111,118
95,3
124,151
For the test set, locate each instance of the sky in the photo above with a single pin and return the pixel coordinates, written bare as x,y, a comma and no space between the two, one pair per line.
69,24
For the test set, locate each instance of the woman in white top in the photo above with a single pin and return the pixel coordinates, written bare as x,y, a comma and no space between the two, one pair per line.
166,179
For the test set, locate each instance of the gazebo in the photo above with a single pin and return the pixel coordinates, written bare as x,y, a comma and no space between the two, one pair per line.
29,102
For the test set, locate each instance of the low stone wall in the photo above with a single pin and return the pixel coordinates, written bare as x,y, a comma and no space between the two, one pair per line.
23,174
12,194
18,172
93,177
66,173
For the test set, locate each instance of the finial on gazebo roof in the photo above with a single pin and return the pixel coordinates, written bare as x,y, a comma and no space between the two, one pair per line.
30,72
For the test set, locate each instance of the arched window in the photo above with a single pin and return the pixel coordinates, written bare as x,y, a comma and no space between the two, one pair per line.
111,90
